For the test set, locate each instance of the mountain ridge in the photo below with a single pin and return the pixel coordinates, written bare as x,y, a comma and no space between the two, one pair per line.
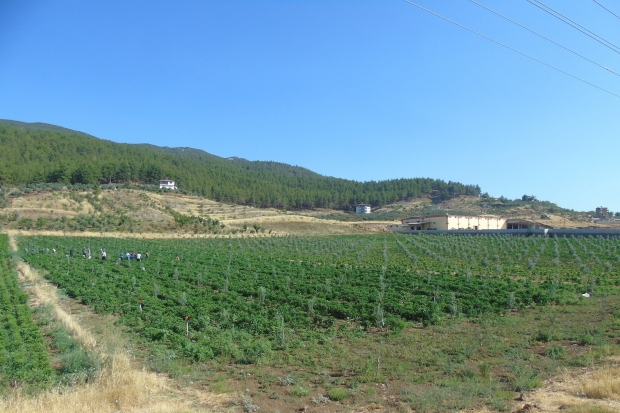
44,153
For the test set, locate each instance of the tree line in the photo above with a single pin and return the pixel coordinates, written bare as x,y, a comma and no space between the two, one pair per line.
33,156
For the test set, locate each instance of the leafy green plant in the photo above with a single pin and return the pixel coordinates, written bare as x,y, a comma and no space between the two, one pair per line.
298,391
555,352
338,394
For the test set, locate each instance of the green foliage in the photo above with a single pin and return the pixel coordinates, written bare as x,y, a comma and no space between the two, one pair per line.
249,298
327,335
525,378
25,223
587,339
544,336
23,356
38,154
337,394
298,391
555,352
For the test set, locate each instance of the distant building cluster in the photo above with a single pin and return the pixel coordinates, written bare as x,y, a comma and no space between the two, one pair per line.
362,209
602,212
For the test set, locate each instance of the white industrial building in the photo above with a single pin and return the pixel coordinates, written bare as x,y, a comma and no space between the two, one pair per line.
462,222
447,222
167,184
362,209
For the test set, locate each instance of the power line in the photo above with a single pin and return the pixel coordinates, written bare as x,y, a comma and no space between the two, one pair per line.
546,38
575,25
606,8
509,48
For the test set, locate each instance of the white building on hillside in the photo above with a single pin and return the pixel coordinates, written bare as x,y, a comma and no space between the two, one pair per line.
167,184
362,209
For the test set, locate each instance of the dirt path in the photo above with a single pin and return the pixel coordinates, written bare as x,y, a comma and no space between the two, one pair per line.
122,384
44,294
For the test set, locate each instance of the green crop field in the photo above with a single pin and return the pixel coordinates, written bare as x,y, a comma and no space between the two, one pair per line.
313,302
23,355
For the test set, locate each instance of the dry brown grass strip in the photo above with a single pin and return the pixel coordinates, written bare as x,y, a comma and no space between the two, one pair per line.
45,295
120,388
602,384
580,391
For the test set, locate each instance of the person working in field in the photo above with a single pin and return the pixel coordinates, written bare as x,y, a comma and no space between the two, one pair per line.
138,257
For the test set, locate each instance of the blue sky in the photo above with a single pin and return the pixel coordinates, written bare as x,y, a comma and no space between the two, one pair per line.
364,90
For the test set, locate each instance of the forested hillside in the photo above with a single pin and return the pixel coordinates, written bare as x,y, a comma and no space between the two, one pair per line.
41,153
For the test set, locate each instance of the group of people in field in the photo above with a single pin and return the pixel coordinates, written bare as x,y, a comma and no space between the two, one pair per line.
86,253
133,256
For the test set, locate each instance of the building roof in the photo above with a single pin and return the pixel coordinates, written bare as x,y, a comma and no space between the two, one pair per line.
512,220
452,215
426,216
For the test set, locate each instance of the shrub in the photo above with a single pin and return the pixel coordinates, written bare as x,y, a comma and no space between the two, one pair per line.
298,391
555,352
525,378
544,336
586,339
286,381
338,393
25,223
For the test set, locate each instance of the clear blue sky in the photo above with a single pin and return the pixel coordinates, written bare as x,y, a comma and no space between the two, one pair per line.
365,90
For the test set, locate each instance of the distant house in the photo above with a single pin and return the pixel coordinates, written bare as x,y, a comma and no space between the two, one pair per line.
167,184
602,212
362,209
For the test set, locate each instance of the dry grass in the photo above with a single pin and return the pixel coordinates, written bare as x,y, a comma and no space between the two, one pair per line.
314,228
602,384
120,386
588,408
151,207
12,243
580,391
472,205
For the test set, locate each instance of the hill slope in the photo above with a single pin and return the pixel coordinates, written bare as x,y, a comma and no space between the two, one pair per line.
42,153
